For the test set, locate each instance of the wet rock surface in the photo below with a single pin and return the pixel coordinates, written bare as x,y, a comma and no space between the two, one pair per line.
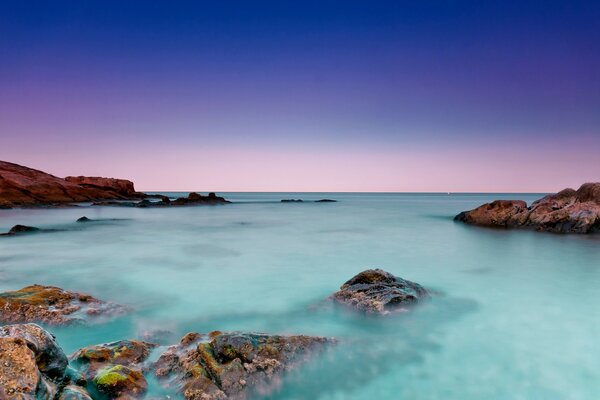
375,291
114,370
232,365
568,211
212,366
31,364
22,186
53,306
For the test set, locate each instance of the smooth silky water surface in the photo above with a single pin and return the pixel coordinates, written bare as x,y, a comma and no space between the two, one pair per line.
515,314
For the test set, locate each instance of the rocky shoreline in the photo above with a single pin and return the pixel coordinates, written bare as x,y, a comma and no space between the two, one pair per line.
201,366
26,187
568,211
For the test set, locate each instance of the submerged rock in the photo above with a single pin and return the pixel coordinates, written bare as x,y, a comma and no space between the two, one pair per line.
84,219
292,201
19,229
115,369
52,305
231,365
375,291
326,201
568,211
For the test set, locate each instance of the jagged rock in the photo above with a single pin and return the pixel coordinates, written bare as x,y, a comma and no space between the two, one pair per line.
33,366
23,186
52,305
115,369
191,200
375,291
231,365
568,211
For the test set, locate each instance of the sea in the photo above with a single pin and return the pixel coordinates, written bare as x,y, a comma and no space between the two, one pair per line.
514,314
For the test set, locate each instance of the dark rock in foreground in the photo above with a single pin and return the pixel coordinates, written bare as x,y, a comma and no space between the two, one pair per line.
569,211
53,306
32,365
22,186
232,365
201,367
375,291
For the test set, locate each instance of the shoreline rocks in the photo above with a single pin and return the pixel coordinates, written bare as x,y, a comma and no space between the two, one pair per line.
21,186
568,211
192,199
375,291
53,306
212,366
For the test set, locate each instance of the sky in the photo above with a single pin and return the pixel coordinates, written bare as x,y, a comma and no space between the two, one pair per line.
408,96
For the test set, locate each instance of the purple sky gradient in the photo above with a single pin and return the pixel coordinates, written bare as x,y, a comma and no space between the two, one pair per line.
333,96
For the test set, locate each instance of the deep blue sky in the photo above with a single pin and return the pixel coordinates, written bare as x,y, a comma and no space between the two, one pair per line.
282,95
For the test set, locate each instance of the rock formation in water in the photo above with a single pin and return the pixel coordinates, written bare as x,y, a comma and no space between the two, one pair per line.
568,211
231,365
19,229
193,199
201,367
375,291
23,186
52,306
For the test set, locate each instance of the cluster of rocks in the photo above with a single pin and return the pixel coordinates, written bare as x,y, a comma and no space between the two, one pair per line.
568,211
22,186
192,199
212,366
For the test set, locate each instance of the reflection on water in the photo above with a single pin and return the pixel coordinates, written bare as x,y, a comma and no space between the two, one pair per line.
514,316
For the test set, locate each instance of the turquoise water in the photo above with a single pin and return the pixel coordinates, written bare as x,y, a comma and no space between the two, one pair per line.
515,316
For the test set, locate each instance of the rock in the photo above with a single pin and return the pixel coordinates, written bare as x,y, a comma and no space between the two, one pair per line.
49,357
18,229
375,291
34,367
23,186
72,392
292,201
326,201
52,305
84,219
568,211
195,198
115,369
191,200
229,365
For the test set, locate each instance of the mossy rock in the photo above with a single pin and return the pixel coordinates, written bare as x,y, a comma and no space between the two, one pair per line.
118,380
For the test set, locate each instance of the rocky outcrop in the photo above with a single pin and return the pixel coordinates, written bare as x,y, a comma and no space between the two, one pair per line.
193,199
115,369
200,367
231,365
375,291
31,363
53,306
568,211
20,229
23,186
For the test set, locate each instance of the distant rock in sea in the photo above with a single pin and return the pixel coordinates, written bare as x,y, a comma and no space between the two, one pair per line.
375,291
568,211
22,186
19,229
53,306
192,199
303,201
84,219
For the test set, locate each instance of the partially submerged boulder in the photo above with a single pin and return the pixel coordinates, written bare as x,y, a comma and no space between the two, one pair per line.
568,211
231,365
115,369
375,291
52,305
19,229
